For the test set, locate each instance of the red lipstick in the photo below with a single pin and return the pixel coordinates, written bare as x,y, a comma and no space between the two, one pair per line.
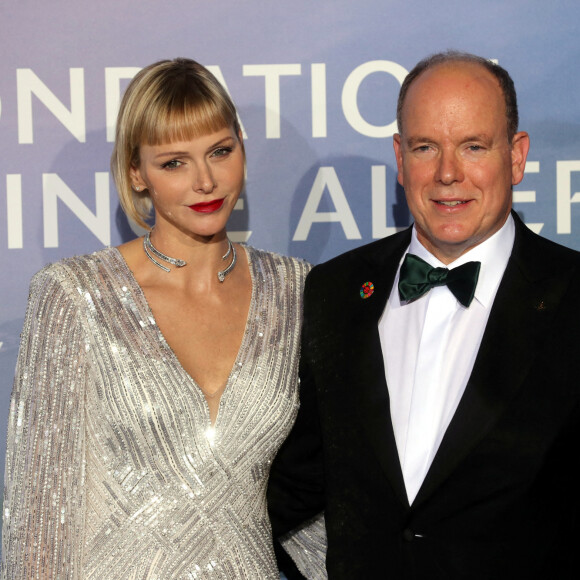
207,206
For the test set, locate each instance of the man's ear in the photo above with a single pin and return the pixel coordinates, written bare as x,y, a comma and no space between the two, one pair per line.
397,146
520,148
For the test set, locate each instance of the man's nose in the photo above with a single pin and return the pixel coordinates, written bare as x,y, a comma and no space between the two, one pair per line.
450,167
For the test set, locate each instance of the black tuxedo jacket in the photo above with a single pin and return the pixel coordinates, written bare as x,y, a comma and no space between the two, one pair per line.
501,497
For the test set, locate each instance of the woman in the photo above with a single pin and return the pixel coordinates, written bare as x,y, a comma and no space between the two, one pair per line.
156,380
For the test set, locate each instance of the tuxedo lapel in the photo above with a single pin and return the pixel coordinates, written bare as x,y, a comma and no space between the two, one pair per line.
366,368
522,311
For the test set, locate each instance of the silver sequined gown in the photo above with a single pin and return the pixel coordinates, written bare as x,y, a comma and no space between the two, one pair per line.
113,470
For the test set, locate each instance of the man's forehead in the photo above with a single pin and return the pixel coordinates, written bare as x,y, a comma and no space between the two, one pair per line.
450,87
461,101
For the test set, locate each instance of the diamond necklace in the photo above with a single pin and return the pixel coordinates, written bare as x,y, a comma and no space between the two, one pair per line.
152,252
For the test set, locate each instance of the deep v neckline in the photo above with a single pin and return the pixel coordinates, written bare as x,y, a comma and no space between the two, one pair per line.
166,346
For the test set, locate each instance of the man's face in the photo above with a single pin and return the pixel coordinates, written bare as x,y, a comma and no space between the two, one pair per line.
454,159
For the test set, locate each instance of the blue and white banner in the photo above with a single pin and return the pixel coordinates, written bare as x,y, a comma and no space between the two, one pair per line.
316,85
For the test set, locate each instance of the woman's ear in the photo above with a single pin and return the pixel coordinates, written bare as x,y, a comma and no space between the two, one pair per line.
137,182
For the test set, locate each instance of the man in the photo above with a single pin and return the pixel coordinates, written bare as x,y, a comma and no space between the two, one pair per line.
440,424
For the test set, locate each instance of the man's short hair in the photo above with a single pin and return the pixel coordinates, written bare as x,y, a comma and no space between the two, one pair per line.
453,56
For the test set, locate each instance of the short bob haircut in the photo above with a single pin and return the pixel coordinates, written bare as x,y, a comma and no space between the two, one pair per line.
170,100
456,57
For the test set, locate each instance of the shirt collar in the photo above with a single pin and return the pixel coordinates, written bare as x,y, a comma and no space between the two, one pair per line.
493,254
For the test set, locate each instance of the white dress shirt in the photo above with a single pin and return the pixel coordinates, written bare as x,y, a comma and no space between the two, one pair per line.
429,348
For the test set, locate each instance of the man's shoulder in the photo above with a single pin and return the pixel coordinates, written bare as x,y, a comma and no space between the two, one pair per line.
375,254
542,255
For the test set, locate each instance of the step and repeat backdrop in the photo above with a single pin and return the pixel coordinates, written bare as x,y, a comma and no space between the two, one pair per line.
316,85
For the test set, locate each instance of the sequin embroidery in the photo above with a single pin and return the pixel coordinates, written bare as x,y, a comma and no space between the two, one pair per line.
113,470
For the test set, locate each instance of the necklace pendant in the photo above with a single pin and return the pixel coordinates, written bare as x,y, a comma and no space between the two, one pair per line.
151,250
231,250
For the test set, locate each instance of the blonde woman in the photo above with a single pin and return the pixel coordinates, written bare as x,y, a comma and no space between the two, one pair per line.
157,380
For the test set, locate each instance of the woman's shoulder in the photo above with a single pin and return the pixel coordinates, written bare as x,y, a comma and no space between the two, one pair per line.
277,260
78,271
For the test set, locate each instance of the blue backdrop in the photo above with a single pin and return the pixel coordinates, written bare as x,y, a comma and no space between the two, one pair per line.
316,85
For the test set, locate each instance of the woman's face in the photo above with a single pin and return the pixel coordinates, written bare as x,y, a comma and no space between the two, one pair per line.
194,184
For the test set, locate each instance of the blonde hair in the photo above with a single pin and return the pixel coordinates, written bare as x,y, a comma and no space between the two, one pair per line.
170,100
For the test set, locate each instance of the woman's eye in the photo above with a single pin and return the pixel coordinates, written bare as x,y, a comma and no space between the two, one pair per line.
173,164
221,151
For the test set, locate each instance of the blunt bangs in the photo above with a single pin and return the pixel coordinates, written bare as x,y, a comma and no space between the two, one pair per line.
182,117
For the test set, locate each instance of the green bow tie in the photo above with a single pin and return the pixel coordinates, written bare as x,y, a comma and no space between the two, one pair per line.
417,278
